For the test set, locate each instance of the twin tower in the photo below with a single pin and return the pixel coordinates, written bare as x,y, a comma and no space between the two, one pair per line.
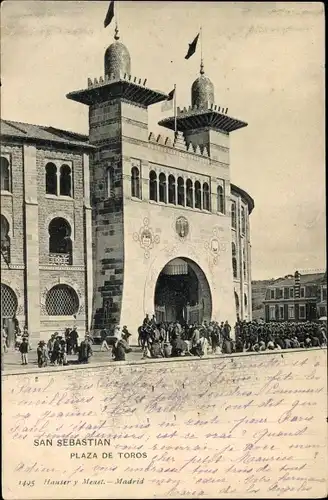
161,209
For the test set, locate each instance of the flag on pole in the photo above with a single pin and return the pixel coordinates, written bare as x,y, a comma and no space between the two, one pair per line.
168,104
192,47
110,14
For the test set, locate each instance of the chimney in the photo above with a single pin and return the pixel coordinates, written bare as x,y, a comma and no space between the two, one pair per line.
297,279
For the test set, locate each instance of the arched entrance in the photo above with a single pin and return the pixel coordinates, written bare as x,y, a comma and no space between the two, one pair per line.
182,293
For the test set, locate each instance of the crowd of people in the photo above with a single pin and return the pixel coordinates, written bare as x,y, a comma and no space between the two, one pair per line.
58,347
163,340
55,350
174,339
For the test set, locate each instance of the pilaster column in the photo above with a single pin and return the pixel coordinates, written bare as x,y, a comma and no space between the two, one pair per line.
240,250
88,244
31,209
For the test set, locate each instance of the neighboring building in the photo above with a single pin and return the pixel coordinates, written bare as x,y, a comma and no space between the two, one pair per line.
45,228
322,304
259,288
169,233
294,298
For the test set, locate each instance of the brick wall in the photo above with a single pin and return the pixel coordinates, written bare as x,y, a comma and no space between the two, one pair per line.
12,205
107,239
12,209
18,208
56,206
107,214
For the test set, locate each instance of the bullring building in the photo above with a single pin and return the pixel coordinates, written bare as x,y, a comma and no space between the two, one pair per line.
104,228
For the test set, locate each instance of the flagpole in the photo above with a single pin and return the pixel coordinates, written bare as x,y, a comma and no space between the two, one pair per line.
116,18
175,110
201,44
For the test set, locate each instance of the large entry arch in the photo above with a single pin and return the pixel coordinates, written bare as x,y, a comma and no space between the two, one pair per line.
182,293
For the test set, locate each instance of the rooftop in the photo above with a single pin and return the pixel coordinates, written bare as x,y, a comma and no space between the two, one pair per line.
128,87
305,279
197,117
30,132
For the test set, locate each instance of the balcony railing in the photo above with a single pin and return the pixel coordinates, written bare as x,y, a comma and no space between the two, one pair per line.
60,259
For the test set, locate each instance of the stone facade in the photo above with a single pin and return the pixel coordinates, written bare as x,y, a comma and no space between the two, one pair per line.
31,271
126,269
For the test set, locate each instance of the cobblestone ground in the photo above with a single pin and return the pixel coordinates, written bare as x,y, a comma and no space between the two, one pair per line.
12,359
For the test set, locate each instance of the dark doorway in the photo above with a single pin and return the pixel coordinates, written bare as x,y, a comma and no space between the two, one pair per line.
174,293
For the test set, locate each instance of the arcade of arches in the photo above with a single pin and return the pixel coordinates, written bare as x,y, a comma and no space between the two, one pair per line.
182,293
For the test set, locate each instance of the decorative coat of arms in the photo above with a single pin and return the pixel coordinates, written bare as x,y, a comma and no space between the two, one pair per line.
146,237
182,227
213,246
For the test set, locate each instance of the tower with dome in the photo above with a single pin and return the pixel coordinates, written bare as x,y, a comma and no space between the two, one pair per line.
170,231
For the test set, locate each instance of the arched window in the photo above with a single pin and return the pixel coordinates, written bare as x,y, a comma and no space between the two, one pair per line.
181,191
220,200
198,195
62,300
51,178
5,174
189,194
206,196
60,243
135,182
243,220
233,215
9,302
245,300
237,302
162,188
65,181
234,260
5,239
110,182
172,189
153,186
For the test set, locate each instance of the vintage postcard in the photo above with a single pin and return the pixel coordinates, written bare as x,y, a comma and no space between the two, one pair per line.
163,271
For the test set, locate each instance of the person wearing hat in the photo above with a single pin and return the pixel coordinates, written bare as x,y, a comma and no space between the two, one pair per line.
126,334
117,332
104,344
42,353
63,352
203,342
23,348
56,349
85,350
119,349
50,344
74,339
4,339
167,350
156,350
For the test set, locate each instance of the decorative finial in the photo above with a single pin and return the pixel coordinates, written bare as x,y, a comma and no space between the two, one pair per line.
202,67
116,36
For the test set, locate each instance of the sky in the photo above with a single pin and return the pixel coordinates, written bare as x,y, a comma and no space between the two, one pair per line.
266,61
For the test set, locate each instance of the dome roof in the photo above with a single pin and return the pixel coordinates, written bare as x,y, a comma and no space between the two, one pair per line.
117,59
202,91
